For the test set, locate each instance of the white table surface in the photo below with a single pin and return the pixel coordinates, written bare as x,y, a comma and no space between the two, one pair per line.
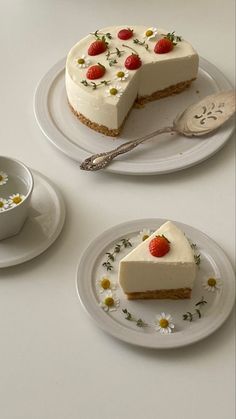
54,362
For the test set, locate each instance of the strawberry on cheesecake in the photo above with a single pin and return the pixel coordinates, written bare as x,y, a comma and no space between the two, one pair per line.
111,69
162,266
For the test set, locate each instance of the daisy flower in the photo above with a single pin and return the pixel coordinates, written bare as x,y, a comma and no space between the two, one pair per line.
15,199
164,323
3,178
82,62
212,284
144,234
104,284
3,204
121,75
115,91
150,33
110,302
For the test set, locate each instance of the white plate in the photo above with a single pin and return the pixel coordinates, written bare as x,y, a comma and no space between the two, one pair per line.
213,263
166,154
42,227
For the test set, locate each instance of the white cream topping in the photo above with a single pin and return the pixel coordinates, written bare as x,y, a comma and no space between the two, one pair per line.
158,71
139,271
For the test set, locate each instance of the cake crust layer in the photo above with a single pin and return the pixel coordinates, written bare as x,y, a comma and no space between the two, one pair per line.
96,127
169,91
171,294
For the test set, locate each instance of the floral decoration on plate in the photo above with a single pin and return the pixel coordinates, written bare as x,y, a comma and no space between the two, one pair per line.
212,284
196,314
3,204
164,324
122,244
128,316
3,178
110,302
103,284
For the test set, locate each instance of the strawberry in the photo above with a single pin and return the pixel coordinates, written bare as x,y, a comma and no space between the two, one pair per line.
133,62
159,246
125,34
163,46
97,47
95,72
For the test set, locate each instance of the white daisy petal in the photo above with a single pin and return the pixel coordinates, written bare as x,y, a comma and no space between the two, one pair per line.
104,284
144,234
114,91
211,283
164,327
150,33
15,199
81,62
111,305
3,204
121,74
3,178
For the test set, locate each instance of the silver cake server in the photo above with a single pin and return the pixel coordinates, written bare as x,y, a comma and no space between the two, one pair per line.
199,119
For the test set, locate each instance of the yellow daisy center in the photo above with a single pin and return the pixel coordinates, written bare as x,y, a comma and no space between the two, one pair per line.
81,61
145,237
163,323
1,178
149,32
105,283
109,301
17,199
211,282
1,203
113,91
120,74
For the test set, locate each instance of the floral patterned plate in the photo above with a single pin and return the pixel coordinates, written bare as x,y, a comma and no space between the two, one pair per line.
154,323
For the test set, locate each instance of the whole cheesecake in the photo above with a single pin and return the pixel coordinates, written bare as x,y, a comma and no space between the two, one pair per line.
110,70
162,266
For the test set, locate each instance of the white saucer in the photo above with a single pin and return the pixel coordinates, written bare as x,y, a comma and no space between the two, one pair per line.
167,153
45,222
213,263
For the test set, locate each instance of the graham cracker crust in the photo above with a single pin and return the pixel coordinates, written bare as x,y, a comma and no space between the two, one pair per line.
169,91
139,103
172,294
96,127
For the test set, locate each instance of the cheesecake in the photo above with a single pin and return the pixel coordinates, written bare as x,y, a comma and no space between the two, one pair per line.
162,266
110,70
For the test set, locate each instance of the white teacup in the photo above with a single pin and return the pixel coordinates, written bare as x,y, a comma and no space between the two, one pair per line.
19,180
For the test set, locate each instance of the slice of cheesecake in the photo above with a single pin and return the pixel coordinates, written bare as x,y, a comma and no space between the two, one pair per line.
163,266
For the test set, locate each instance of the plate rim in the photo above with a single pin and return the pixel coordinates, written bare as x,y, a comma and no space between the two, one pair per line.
51,132
99,316
45,245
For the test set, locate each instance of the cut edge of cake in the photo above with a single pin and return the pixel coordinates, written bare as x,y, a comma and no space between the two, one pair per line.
139,103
